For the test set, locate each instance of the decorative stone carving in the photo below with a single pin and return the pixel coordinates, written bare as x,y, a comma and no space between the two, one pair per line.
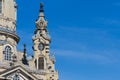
41,23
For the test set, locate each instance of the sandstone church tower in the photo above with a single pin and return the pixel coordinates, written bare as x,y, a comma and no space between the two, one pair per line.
14,64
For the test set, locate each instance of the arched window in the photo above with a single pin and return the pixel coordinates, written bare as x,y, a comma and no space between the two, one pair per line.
35,63
7,53
16,77
41,63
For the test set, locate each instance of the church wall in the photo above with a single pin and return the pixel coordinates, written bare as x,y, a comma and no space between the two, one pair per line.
1,53
9,10
19,55
2,69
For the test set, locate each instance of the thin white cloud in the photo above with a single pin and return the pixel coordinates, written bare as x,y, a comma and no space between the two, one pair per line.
83,56
107,21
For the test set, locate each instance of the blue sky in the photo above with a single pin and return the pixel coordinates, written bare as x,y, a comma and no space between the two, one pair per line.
85,36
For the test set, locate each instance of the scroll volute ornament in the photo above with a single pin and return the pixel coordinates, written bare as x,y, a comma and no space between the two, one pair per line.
41,24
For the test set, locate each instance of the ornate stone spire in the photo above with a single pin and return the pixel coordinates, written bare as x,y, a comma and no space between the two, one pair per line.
24,59
41,23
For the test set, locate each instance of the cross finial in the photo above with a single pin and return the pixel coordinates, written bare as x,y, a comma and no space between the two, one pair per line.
41,7
24,48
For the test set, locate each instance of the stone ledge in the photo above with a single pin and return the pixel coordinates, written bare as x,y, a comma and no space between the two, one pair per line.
10,33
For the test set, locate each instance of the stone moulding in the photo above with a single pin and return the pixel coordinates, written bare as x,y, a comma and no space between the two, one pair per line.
9,33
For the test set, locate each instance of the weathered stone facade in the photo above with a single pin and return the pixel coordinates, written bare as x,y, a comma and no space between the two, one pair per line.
14,64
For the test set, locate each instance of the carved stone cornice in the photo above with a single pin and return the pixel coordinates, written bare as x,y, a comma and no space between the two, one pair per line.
10,34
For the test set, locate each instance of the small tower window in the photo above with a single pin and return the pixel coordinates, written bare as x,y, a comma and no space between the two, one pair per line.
0,6
41,63
7,53
36,63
